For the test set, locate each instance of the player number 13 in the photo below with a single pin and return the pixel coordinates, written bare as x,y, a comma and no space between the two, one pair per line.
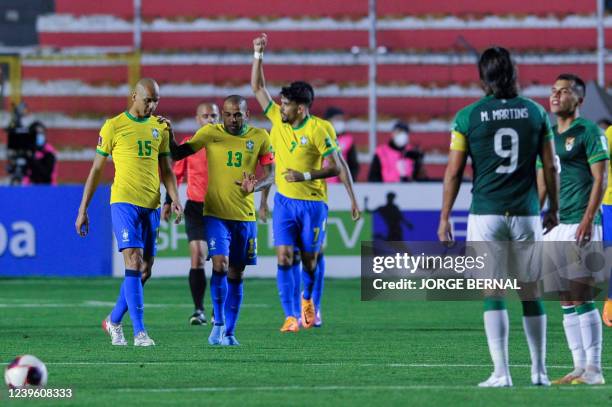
234,159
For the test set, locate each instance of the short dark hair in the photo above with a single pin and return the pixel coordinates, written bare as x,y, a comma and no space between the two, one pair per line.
498,73
400,125
36,124
577,83
605,122
299,92
237,99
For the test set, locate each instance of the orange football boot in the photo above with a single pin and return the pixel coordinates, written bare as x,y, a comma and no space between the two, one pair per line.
290,325
308,313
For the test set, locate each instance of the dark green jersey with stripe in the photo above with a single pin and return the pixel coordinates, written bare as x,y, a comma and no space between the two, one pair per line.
504,138
581,145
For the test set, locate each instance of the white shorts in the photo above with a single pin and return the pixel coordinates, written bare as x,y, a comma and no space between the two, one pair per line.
509,246
564,260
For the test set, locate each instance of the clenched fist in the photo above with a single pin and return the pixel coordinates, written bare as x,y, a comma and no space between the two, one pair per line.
259,43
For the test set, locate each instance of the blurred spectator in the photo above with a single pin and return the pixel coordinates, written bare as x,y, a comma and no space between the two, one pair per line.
397,161
604,124
42,168
346,142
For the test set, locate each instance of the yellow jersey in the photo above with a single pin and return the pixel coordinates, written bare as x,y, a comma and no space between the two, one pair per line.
228,157
135,145
607,198
301,149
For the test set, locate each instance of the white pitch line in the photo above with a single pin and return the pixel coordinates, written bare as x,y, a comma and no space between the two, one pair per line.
340,388
440,365
340,364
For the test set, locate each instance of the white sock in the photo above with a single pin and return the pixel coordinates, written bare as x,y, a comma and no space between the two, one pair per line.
573,334
535,332
496,328
590,327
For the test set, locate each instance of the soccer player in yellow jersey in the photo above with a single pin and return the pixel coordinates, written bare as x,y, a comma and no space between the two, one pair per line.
233,150
139,146
300,142
606,208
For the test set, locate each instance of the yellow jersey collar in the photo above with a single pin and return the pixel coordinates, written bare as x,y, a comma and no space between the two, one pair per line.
144,119
302,124
243,131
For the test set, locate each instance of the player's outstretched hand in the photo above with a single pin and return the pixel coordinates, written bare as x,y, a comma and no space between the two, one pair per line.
263,212
82,224
166,212
551,219
445,233
247,183
259,43
177,208
293,175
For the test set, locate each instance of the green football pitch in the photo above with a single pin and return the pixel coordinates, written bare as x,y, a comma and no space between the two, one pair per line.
367,353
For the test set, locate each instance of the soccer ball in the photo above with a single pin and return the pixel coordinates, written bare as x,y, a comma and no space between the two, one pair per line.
25,371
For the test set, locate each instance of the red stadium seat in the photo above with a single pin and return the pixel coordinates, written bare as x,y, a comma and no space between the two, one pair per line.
323,8
423,74
437,40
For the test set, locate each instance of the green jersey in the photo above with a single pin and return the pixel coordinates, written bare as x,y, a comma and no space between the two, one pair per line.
503,138
583,144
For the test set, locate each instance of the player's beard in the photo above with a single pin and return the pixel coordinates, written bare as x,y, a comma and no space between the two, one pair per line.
234,129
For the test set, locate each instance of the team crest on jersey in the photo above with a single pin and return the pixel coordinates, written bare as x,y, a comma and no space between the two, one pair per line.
155,133
99,140
569,143
250,145
304,140
125,236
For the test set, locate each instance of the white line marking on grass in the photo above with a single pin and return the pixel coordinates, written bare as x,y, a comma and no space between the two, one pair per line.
433,365
339,364
340,388
95,304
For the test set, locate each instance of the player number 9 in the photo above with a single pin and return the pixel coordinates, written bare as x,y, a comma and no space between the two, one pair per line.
511,153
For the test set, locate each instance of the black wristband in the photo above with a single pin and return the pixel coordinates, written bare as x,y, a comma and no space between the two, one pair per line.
168,200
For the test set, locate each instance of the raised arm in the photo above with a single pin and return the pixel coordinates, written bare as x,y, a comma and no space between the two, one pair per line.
93,179
258,82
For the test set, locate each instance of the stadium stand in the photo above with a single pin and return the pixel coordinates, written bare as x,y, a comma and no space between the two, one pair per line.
197,52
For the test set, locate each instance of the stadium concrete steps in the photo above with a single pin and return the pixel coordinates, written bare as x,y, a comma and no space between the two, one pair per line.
438,40
100,72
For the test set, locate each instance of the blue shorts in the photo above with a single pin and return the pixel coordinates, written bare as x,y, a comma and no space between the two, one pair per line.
232,238
606,220
135,227
299,223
